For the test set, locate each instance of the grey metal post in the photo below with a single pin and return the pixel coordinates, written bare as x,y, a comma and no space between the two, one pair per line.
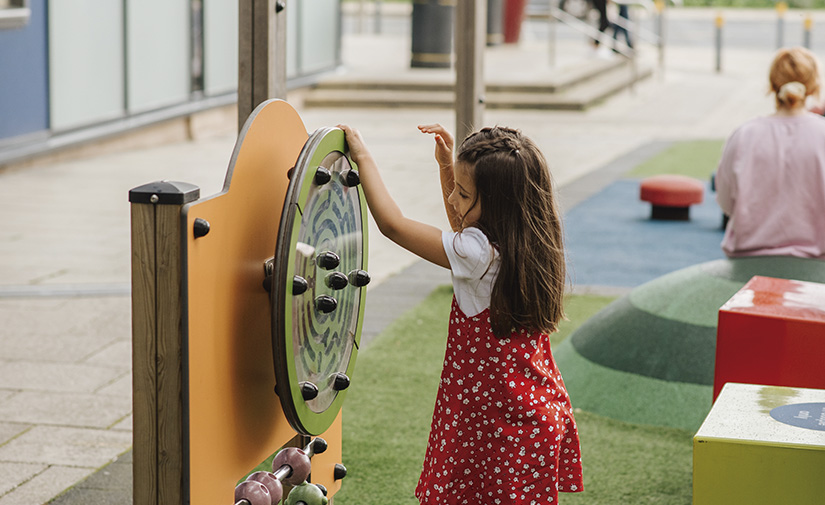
377,19
660,31
470,37
720,22
781,7
551,24
807,24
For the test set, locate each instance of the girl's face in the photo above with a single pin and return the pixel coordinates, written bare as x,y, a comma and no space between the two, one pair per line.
464,198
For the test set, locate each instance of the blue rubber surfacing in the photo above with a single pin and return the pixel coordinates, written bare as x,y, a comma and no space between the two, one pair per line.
611,240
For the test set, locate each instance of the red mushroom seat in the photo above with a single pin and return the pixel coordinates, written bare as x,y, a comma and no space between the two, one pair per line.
671,195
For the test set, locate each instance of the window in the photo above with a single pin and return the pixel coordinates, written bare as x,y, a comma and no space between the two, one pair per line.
14,13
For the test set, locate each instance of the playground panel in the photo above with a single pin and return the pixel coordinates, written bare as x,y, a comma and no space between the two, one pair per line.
207,405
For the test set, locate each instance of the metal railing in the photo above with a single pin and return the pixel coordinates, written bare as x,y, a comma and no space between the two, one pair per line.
636,32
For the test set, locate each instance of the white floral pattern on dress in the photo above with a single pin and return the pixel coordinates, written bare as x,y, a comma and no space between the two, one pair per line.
503,430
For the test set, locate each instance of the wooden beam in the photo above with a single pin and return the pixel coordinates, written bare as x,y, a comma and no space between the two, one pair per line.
470,40
144,389
157,339
261,54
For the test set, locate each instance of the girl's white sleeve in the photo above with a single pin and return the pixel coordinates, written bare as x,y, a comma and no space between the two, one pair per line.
468,251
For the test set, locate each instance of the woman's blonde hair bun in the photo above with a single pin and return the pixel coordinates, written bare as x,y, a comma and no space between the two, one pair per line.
792,92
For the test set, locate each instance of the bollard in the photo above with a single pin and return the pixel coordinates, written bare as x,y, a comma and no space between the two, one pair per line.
432,33
720,22
781,8
660,31
495,22
552,37
807,24
377,19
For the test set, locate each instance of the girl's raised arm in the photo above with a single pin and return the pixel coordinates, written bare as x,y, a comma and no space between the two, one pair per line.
444,144
419,238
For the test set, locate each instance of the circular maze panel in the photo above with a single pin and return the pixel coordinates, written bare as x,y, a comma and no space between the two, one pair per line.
319,280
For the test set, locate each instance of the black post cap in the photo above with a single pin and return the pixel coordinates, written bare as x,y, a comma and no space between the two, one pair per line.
165,193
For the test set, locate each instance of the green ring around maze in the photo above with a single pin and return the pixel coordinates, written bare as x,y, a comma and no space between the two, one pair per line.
313,423
648,357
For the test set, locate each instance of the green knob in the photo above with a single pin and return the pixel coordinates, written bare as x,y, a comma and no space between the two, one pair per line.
306,493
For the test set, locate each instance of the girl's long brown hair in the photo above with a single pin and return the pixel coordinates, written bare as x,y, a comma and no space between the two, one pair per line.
520,217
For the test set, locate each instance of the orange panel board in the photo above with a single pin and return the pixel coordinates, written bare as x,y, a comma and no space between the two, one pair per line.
235,419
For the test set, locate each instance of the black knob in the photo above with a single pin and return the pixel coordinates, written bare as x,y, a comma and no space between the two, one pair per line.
352,179
319,445
326,304
322,176
279,6
340,382
290,172
322,488
268,283
340,471
200,227
308,391
336,280
299,285
359,278
327,260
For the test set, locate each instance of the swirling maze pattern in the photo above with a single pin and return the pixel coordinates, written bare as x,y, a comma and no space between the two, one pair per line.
330,221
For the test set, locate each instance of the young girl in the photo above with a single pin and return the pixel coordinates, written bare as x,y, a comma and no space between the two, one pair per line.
503,430
771,178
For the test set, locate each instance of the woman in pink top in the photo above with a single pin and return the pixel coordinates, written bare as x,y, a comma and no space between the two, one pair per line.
771,179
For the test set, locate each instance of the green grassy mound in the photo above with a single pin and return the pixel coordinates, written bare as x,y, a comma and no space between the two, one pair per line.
649,356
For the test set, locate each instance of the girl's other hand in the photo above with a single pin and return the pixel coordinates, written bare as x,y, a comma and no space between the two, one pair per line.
357,148
444,144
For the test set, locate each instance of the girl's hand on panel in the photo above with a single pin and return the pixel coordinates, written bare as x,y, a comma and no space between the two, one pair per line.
357,148
444,144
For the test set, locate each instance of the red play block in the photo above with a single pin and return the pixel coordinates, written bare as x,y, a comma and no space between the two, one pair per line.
772,332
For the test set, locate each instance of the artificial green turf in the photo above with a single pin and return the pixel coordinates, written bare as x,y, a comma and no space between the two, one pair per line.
632,464
697,158
389,407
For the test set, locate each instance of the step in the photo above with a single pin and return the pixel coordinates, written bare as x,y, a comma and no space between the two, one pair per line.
549,81
499,96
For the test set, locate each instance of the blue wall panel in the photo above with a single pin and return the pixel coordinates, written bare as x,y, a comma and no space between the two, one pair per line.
24,104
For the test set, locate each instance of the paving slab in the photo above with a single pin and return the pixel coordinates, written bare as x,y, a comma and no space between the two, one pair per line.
44,486
66,446
64,409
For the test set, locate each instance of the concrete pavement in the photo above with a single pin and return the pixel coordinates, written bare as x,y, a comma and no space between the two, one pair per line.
65,381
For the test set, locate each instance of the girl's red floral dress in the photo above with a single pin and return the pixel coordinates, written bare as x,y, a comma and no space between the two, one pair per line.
503,430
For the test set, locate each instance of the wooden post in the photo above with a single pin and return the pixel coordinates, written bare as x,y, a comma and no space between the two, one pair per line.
157,392
261,54
470,37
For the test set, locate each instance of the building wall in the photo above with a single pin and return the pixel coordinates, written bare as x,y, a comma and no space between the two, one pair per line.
158,47
24,76
81,66
86,62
